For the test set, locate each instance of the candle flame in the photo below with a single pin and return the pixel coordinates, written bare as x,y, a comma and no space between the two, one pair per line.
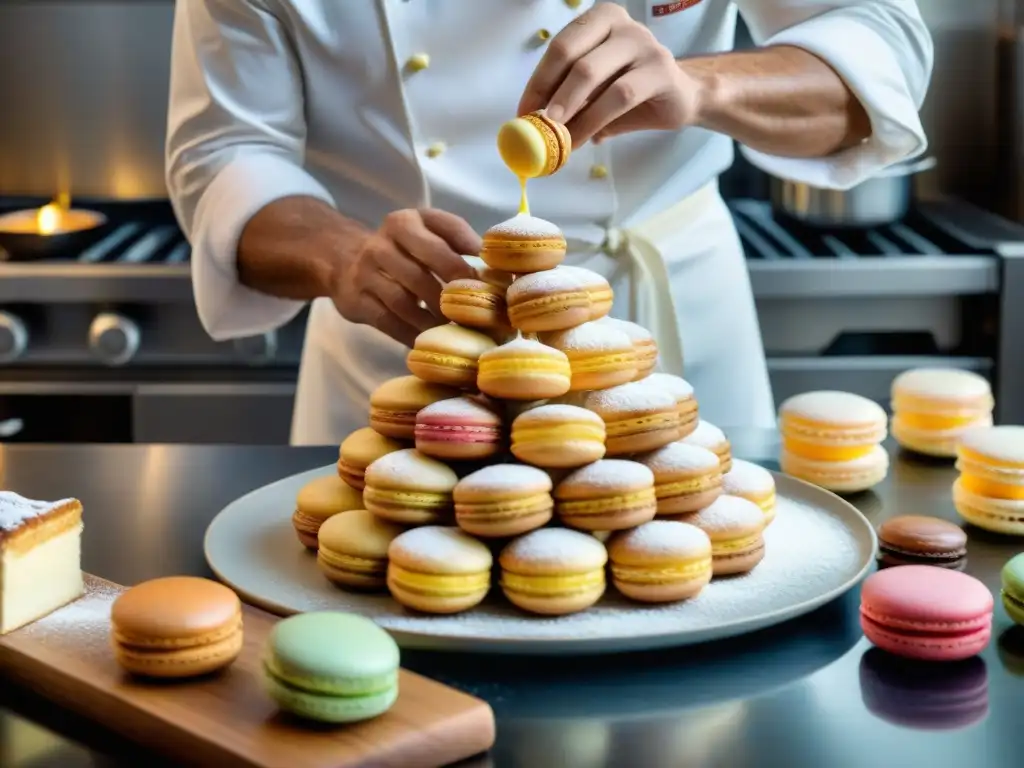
48,219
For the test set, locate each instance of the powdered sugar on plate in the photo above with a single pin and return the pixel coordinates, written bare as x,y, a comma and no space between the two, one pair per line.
524,225
16,510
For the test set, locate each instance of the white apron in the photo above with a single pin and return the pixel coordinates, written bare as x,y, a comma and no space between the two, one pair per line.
681,275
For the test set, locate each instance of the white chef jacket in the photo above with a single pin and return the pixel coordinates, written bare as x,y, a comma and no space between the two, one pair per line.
275,98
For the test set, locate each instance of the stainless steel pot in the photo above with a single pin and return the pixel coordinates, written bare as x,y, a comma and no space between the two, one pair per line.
880,200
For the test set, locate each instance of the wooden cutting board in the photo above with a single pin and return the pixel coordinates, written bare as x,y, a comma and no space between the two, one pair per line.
227,719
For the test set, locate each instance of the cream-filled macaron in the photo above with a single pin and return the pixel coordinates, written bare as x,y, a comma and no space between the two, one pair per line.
661,561
410,488
735,527
686,401
438,569
599,356
707,435
449,355
353,549
934,407
553,571
643,344
318,500
753,483
686,477
359,450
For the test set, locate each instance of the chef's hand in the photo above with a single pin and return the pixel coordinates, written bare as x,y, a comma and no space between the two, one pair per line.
400,265
605,74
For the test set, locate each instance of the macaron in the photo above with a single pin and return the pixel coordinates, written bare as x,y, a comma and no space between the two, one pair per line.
553,571
643,344
359,450
534,145
463,429
503,500
522,245
686,477
448,355
353,550
637,417
921,540
753,483
707,435
934,407
395,403
735,527
558,436
990,490
1012,578
548,301
331,667
832,439
318,500
474,303
662,561
524,369
496,277
608,495
409,488
176,627
599,357
598,289
438,569
686,405
928,613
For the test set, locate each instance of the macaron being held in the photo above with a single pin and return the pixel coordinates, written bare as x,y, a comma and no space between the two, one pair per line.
707,435
503,500
524,369
644,346
553,571
637,417
558,436
176,627
395,403
920,540
359,450
661,561
927,613
600,357
686,478
753,483
449,355
353,550
522,245
548,301
534,145
331,667
608,495
438,570
735,527
409,488
990,490
474,303
461,429
934,407
319,500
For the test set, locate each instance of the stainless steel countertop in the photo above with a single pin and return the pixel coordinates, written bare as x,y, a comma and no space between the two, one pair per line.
789,696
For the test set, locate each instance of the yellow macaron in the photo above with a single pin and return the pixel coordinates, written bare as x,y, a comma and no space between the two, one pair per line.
661,561
707,435
599,356
753,483
990,490
448,355
409,488
934,407
558,436
686,477
438,569
353,549
608,495
598,289
686,401
524,369
735,527
319,500
553,571
359,450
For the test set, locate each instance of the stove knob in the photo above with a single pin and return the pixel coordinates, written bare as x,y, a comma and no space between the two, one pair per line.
13,337
113,338
257,350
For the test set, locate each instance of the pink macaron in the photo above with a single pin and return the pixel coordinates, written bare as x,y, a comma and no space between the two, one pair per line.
925,612
461,428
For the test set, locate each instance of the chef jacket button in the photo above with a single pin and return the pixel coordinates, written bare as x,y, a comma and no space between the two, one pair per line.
418,62
436,149
598,171
573,3
542,36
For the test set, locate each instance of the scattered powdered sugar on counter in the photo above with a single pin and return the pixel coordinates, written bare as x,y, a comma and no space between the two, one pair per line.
85,622
16,510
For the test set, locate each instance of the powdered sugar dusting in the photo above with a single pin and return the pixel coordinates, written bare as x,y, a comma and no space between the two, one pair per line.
85,623
727,513
835,407
543,414
609,474
634,396
555,547
635,332
746,477
524,225
523,344
16,510
706,435
410,468
589,337
661,538
552,281
446,549
505,477
586,277
459,408
679,457
678,387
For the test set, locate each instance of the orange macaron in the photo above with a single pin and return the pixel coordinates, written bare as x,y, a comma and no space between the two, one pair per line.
608,495
449,355
637,417
548,301
600,357
320,499
523,244
598,289
643,344
474,303
359,450
395,403
503,500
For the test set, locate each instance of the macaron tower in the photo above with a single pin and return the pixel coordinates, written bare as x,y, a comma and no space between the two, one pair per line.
531,429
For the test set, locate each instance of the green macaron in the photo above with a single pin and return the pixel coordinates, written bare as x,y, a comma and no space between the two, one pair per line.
1013,588
331,667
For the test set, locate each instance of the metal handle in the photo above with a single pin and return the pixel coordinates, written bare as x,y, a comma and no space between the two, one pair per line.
10,428
114,339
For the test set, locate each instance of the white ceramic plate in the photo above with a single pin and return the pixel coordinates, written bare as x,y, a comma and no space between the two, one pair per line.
818,548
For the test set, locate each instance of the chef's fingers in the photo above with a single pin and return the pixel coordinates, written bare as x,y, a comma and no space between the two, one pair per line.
580,37
590,75
410,232
400,301
455,231
628,92
377,315
412,276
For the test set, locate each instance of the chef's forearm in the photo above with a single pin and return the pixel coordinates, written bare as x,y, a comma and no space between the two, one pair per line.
294,246
781,100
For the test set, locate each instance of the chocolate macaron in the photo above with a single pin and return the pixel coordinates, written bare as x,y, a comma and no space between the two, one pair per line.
921,540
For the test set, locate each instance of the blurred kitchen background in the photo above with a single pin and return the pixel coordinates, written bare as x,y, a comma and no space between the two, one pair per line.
99,339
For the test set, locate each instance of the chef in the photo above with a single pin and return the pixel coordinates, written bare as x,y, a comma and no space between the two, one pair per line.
343,153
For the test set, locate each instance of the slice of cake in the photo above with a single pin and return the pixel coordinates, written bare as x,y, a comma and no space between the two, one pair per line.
40,557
